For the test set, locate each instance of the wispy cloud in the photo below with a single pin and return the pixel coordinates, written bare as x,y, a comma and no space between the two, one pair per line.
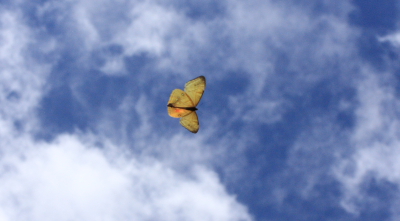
375,141
293,113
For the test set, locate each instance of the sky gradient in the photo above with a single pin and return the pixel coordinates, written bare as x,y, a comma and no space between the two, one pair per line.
300,119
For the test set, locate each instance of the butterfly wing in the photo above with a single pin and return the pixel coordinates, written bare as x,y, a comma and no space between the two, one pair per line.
179,98
191,122
195,89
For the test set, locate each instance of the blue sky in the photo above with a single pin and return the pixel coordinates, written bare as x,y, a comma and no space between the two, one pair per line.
300,119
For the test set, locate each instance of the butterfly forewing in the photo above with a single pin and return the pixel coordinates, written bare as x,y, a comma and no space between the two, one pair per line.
195,89
180,98
177,99
190,122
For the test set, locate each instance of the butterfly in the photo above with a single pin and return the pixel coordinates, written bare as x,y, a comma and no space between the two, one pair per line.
182,104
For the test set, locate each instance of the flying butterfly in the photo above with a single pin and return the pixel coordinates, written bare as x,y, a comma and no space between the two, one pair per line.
182,104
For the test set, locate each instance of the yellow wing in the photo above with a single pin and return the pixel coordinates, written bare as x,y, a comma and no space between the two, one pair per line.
179,98
191,122
195,89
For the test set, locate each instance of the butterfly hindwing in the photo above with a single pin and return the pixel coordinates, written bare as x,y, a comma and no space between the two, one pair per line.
195,89
191,122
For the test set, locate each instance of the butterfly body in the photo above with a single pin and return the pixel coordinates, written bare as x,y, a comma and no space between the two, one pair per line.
184,108
182,104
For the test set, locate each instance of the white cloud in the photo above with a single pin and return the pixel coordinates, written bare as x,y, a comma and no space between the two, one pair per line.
70,179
